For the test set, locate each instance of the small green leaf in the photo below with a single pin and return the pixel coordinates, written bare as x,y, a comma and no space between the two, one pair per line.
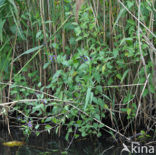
124,75
46,65
115,52
48,127
65,152
106,106
143,132
103,68
39,84
48,119
119,76
77,31
99,88
38,34
97,117
128,111
87,97
37,133
37,126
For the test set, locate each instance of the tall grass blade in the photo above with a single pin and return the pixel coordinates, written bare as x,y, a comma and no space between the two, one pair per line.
29,51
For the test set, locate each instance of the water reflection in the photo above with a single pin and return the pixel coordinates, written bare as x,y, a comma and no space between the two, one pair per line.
46,144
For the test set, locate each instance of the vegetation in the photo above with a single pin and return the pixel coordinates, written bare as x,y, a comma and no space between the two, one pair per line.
78,66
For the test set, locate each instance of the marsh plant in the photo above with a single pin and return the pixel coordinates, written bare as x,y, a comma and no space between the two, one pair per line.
102,70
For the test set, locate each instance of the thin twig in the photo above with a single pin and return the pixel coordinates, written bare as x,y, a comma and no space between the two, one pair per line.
107,149
137,19
72,139
117,132
141,96
128,85
31,100
28,88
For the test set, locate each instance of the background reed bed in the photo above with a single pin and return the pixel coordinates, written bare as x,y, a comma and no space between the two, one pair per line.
116,90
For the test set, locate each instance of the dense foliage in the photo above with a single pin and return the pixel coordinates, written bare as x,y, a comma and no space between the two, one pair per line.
84,66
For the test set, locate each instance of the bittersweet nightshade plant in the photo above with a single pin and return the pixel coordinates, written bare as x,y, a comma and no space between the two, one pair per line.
29,124
44,101
51,57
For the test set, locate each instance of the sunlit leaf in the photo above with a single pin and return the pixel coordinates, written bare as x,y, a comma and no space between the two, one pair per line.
103,68
46,65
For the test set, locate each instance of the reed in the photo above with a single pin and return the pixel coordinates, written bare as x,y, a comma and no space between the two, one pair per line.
118,82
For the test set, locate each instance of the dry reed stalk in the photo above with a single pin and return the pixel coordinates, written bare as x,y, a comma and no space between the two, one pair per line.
63,31
96,11
139,105
104,21
49,5
12,63
137,19
54,66
78,7
49,18
55,41
110,25
44,33
40,59
142,57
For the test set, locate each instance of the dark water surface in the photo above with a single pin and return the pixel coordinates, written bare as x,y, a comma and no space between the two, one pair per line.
46,144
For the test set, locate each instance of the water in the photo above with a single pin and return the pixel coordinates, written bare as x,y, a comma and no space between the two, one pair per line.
46,144
50,144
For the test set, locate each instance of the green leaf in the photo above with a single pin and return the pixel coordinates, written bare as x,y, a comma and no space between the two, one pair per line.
119,76
123,10
97,117
103,68
1,28
125,39
124,109
84,134
143,132
48,119
38,108
38,34
115,52
54,120
57,74
46,65
37,126
145,92
37,133
95,100
39,84
99,134
29,51
87,97
106,106
128,111
64,152
48,127
1,2
99,88
77,31
130,4
124,75
55,45
106,97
